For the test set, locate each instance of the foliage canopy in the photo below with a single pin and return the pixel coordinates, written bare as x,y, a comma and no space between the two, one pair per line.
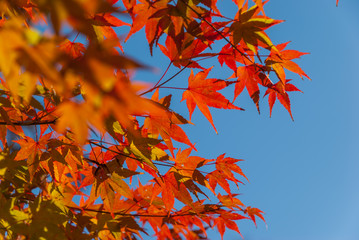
88,153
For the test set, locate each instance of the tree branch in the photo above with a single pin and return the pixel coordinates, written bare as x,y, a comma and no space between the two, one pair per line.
29,123
212,211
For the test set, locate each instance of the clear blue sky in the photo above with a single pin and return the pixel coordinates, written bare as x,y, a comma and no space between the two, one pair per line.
304,174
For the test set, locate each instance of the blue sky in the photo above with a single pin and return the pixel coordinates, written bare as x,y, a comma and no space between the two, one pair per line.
304,174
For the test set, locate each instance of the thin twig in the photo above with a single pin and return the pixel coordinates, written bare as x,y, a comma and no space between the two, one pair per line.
215,29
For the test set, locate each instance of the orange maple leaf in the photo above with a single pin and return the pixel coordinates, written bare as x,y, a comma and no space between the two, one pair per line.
74,49
32,150
29,146
249,77
183,55
279,90
280,59
249,28
227,166
226,220
202,92
253,212
166,124
230,201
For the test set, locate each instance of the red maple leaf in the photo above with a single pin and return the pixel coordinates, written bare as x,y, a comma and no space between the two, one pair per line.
203,93
74,49
249,77
253,212
279,90
280,59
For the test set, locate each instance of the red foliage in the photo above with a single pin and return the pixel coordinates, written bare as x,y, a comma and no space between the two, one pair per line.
82,128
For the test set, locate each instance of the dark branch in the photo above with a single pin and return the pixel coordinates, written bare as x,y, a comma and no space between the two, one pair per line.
212,211
29,123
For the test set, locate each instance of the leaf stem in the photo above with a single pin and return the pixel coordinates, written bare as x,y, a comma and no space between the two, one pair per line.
173,76
168,67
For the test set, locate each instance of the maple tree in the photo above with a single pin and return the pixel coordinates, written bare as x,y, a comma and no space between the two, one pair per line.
87,152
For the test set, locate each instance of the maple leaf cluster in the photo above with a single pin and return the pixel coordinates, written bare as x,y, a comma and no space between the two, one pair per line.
89,153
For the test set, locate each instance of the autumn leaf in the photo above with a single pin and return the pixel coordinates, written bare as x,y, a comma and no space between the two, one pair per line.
249,77
216,177
32,150
279,91
227,166
141,14
30,146
280,59
230,201
203,93
253,212
182,55
74,49
230,56
166,124
249,27
185,163
225,220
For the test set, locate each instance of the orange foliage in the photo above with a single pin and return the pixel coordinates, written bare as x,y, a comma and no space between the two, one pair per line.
77,131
